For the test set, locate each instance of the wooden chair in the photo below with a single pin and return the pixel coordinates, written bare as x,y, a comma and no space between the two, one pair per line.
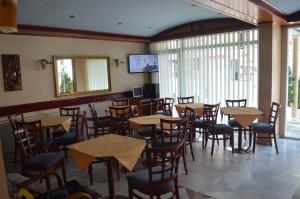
185,100
214,130
72,137
168,106
148,108
32,158
171,132
161,177
160,105
189,117
120,102
267,128
100,125
70,190
231,121
66,111
12,120
119,119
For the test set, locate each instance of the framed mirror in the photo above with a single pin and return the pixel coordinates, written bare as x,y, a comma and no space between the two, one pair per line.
81,74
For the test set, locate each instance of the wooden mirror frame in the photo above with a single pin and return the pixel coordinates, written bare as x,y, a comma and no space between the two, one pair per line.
58,94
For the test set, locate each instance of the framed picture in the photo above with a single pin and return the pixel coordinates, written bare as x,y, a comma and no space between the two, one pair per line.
11,72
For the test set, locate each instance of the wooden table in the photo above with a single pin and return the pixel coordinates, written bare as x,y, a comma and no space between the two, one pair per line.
126,150
244,116
198,107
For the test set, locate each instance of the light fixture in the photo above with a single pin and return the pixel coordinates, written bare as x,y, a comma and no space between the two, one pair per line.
8,16
118,62
44,63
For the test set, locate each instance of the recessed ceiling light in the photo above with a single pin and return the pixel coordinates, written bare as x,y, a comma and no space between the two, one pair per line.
194,5
72,16
149,27
120,23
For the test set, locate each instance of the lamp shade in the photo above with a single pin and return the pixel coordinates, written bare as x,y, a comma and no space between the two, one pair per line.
8,16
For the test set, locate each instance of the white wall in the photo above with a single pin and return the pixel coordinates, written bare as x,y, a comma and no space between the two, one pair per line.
38,85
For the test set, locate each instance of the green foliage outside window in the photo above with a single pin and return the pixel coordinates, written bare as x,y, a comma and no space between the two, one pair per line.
66,85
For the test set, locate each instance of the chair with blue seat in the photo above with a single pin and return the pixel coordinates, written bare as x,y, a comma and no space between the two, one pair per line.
161,177
214,131
72,137
119,119
32,158
231,121
267,128
100,125
120,102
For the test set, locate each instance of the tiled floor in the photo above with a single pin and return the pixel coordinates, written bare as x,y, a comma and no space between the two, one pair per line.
261,175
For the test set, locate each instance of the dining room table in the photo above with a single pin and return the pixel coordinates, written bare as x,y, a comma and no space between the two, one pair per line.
244,116
126,150
198,107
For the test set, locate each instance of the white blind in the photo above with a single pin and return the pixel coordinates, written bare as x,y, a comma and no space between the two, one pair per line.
212,68
97,74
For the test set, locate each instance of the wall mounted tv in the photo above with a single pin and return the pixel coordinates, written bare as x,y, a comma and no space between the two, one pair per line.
146,63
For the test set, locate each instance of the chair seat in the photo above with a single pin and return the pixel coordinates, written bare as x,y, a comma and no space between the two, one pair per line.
146,131
262,127
233,123
43,161
140,180
223,128
66,139
167,142
198,123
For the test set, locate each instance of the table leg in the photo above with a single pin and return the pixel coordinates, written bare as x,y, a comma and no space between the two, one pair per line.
240,139
110,178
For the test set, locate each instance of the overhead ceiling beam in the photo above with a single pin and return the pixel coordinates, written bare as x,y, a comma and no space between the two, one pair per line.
251,11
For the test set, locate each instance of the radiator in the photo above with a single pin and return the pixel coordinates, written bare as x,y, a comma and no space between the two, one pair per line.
7,138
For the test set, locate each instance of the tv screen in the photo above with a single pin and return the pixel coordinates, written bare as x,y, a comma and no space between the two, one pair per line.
137,91
143,63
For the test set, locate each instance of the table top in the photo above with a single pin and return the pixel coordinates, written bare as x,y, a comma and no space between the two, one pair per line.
54,120
192,105
138,122
126,150
243,115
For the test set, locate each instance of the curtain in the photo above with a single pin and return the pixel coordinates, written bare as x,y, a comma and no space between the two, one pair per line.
211,68
97,77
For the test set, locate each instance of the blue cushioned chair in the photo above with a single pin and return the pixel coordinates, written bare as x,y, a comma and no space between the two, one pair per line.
214,130
32,158
162,173
231,121
267,128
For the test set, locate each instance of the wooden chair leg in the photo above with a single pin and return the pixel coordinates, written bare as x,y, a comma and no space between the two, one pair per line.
90,171
245,137
275,142
203,138
63,169
184,163
224,140
48,184
176,189
130,195
191,147
232,142
212,145
254,141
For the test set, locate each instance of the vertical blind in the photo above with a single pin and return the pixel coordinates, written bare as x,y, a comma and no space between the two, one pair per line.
211,68
97,74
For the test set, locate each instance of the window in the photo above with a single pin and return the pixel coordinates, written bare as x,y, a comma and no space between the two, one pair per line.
212,68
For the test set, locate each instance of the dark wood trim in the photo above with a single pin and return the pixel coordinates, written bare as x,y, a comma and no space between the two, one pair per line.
38,106
24,29
204,27
270,8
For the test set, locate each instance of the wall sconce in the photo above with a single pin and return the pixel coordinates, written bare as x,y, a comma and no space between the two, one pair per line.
8,16
44,63
118,62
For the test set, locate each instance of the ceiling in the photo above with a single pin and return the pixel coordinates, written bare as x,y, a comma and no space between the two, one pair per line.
287,6
129,17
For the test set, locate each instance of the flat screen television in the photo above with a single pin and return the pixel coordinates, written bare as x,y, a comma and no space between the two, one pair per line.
146,63
137,91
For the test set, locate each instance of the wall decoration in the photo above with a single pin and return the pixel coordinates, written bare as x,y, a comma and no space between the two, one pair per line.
11,72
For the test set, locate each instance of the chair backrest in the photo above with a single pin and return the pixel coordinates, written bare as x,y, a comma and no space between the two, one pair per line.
236,103
93,110
70,111
163,164
167,109
172,131
210,114
120,113
120,102
15,117
188,116
145,108
27,135
185,100
274,112
80,126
